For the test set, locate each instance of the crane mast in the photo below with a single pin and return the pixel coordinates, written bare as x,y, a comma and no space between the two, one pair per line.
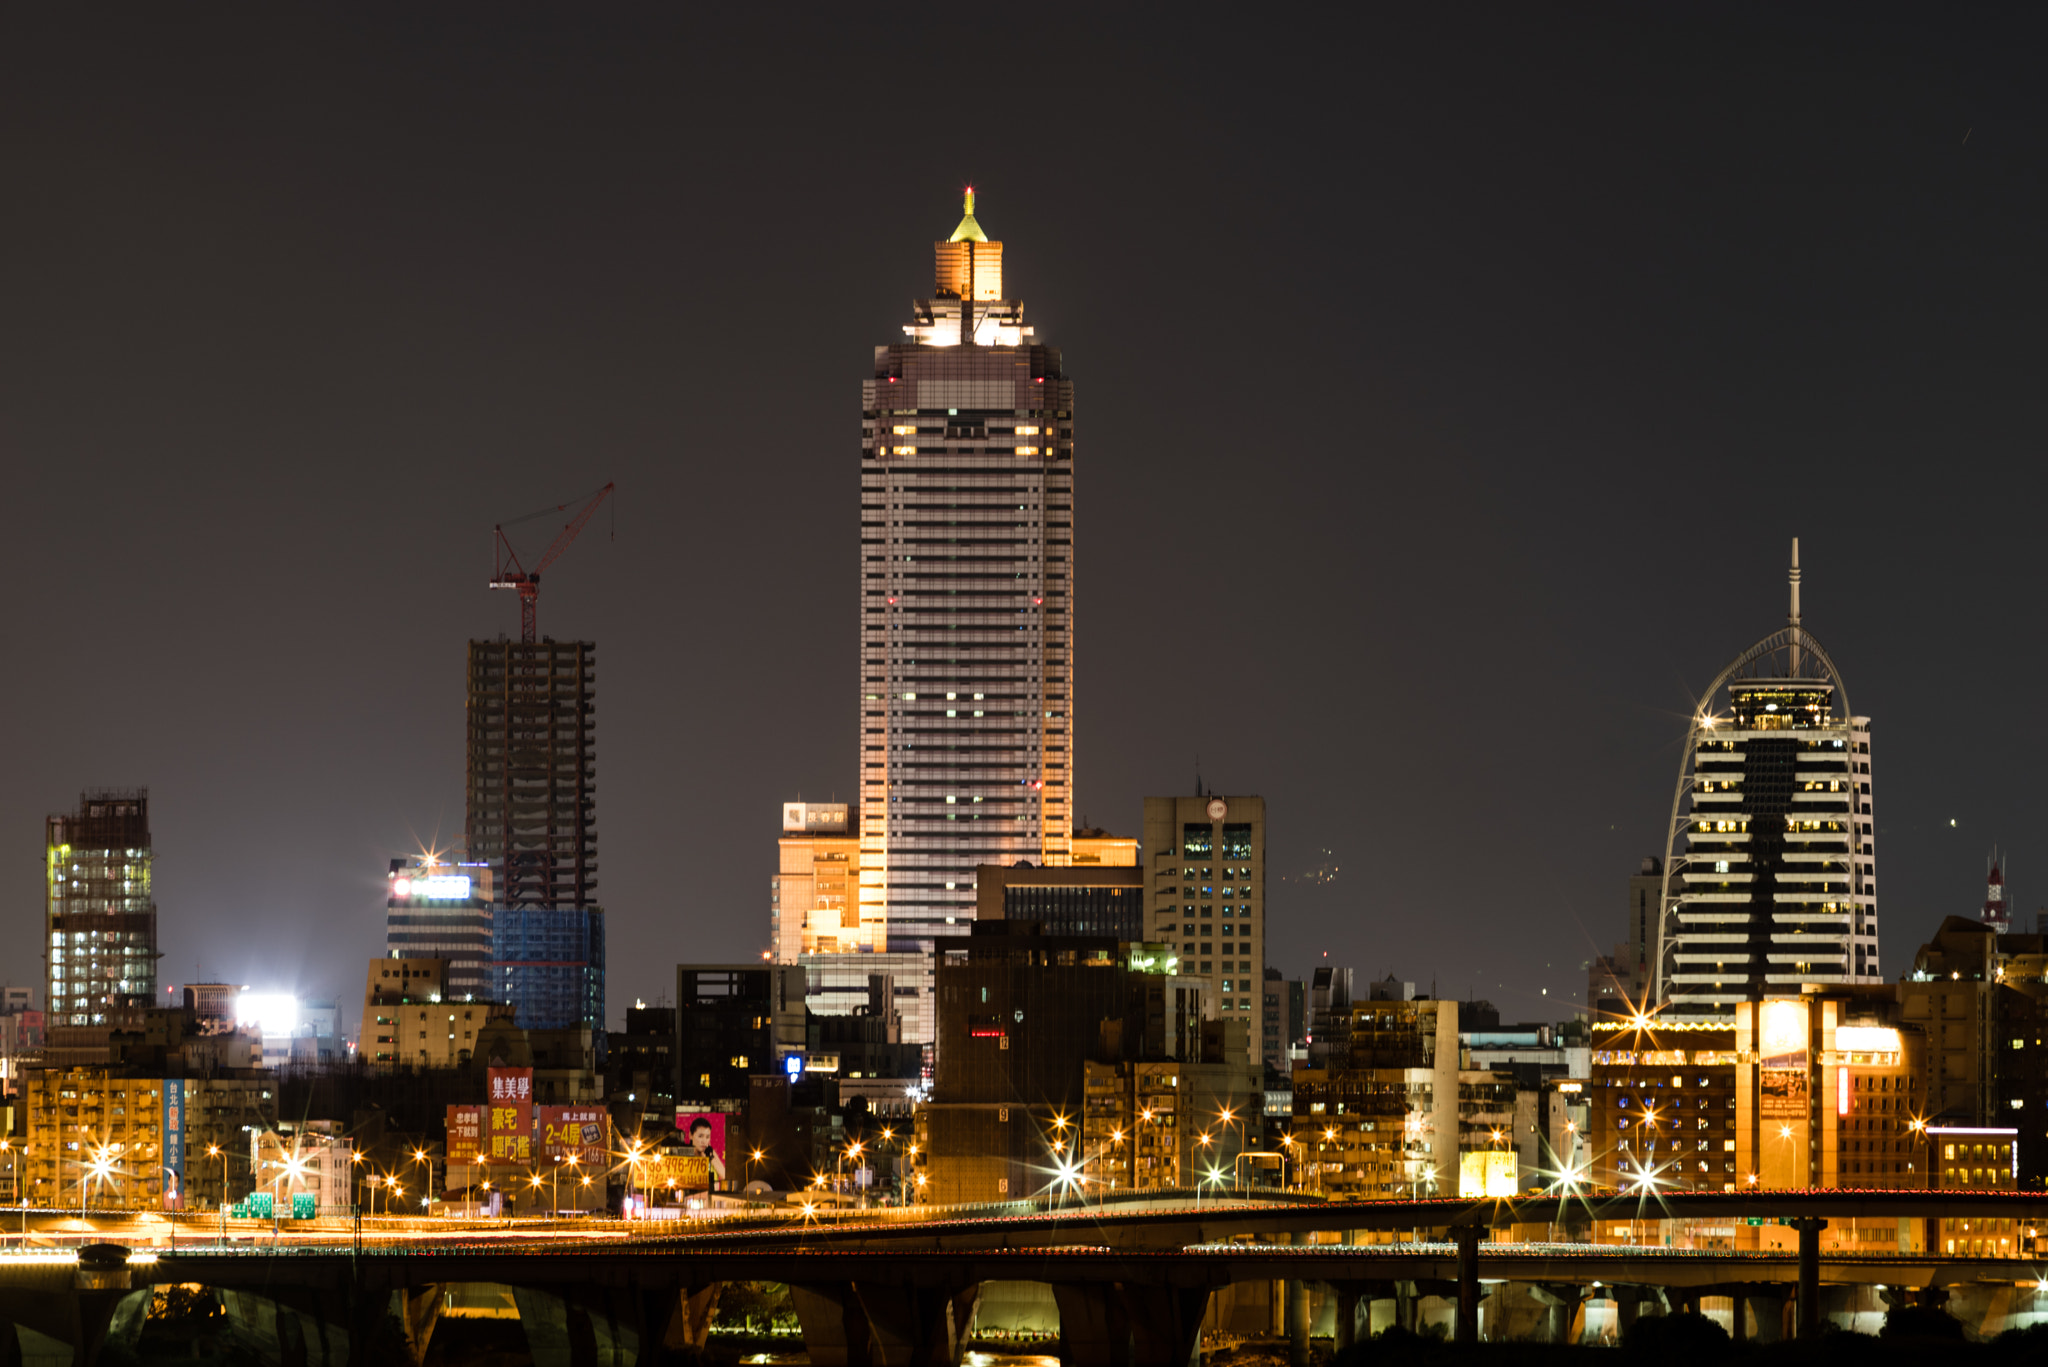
508,573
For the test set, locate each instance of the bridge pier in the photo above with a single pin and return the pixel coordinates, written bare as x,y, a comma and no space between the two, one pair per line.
419,1311
1468,1281
1407,1305
1296,1291
1562,1302
1348,1295
1809,1227
846,1324
579,1330
1094,1331
1628,1304
1166,1322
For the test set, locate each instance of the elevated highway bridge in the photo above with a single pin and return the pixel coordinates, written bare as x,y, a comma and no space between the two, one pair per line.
1133,1280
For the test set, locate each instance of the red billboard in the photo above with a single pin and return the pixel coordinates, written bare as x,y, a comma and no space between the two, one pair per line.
509,1123
579,1132
465,1133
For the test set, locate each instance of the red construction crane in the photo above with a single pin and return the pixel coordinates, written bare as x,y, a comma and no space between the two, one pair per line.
510,574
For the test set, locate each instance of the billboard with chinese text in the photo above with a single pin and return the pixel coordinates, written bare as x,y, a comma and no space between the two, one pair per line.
174,1143
579,1132
508,1124
465,1133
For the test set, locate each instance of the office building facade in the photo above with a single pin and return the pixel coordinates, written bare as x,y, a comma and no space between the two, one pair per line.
966,603
733,1022
1283,1020
99,942
1093,899
1206,894
1770,865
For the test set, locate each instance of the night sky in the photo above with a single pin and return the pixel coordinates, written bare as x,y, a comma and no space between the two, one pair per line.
1449,390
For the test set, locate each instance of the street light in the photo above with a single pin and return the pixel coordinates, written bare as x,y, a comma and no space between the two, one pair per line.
14,1181
632,1172
420,1155
853,1150
99,1169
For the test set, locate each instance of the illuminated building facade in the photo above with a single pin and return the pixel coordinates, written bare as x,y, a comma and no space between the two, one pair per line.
1770,874
411,1020
438,910
814,900
1820,1090
1206,881
1381,1117
1981,999
117,1133
966,608
99,942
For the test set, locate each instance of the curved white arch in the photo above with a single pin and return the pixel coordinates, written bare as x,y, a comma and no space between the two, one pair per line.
1795,639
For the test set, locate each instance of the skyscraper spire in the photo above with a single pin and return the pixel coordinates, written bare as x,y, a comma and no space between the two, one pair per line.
1795,581
969,230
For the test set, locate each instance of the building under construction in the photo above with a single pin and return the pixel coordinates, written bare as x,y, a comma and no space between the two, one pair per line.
532,818
99,944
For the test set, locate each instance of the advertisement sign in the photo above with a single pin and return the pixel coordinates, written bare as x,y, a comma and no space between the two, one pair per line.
1782,1059
1491,1173
701,1166
508,1123
174,1143
579,1132
465,1133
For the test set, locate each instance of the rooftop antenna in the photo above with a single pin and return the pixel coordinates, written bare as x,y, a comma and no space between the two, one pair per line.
1198,777
1795,607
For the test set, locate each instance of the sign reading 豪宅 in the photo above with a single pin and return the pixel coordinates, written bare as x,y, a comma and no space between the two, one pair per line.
174,1143
509,1128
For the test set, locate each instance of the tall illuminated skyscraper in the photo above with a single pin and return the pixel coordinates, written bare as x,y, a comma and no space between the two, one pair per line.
1770,872
99,941
966,605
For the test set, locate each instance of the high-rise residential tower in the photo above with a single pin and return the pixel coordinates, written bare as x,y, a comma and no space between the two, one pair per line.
1770,869
532,819
99,941
966,604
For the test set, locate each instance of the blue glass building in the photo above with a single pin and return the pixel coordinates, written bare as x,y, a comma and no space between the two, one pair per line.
548,962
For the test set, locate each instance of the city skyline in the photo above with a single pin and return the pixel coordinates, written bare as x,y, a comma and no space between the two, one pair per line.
1350,527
